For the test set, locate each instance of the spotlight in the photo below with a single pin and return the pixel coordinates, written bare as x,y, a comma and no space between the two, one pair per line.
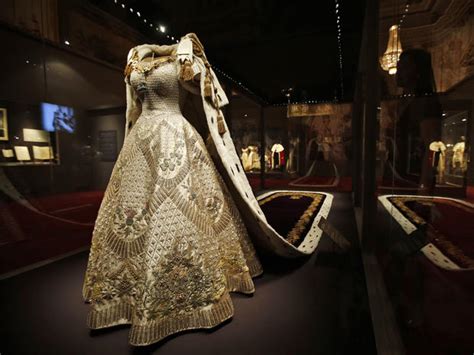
67,43
162,28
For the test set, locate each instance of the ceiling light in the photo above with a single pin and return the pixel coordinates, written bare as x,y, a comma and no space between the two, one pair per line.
162,28
390,58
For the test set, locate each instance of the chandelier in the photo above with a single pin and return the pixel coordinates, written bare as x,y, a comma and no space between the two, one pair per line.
389,59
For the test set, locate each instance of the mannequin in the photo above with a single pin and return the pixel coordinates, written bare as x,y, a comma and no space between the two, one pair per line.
458,155
438,159
246,162
278,156
169,244
254,158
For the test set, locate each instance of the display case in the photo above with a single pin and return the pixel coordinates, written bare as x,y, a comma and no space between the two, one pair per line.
345,157
413,185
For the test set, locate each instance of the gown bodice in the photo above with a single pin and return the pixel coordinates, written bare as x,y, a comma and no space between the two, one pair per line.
158,89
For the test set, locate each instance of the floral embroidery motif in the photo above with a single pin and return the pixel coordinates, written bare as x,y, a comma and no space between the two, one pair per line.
169,244
296,233
213,206
129,222
186,287
172,159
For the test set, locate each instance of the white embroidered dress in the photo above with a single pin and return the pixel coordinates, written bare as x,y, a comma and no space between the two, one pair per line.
169,244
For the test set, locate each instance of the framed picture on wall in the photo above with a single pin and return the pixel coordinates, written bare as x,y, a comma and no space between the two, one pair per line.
3,124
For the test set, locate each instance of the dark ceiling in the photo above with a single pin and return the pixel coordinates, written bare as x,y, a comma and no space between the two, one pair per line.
267,45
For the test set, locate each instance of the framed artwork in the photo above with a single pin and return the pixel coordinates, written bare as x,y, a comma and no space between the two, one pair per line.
3,125
22,153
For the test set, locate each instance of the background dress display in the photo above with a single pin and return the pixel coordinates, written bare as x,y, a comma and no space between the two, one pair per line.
254,158
168,244
438,150
278,156
458,156
246,162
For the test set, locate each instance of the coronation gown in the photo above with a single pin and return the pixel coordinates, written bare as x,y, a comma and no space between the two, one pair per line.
168,244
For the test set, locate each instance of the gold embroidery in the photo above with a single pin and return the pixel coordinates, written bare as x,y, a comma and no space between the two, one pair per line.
169,244
296,233
145,67
435,236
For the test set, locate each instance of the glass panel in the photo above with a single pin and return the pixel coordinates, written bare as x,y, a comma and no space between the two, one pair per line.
423,174
62,125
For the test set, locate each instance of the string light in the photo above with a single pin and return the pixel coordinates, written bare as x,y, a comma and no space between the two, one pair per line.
306,102
339,46
238,83
162,29
405,12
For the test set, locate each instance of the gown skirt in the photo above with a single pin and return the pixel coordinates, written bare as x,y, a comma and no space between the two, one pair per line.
168,244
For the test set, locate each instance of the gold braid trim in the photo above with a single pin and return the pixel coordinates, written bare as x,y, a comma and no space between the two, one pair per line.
255,268
240,283
121,312
146,67
296,233
435,236
453,251
141,335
